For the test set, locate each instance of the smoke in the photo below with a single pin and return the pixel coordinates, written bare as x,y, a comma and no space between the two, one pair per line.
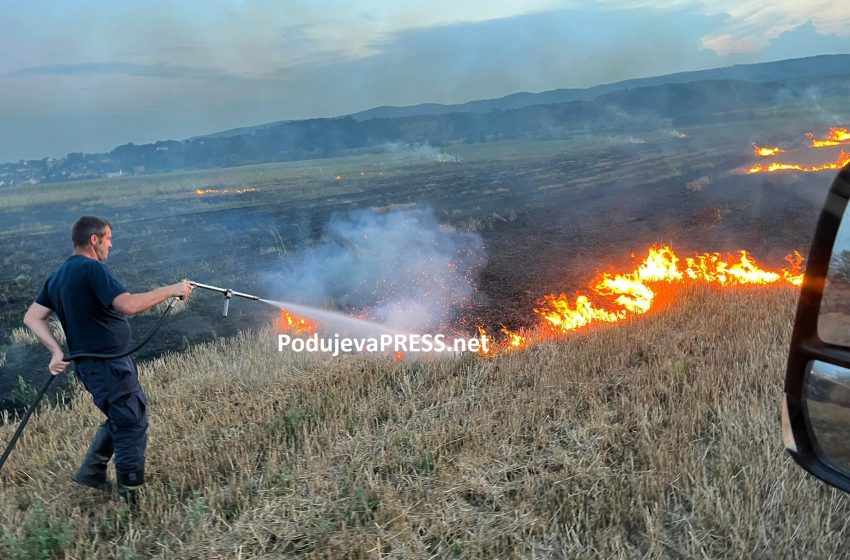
697,184
400,268
421,151
645,120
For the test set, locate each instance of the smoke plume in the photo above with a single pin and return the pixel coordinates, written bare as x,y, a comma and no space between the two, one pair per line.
420,151
400,268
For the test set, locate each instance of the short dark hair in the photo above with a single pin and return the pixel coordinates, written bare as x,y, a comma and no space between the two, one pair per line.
87,226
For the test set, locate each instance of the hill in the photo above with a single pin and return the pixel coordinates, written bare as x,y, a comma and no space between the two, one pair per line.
804,69
809,68
709,96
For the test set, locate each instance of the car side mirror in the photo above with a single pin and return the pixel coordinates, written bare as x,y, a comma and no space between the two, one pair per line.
816,407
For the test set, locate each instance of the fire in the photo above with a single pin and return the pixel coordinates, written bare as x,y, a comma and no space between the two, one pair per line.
485,340
618,297
515,340
836,137
201,192
296,324
765,151
843,159
794,275
615,297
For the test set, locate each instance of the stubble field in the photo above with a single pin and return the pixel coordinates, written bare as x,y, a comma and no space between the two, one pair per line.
654,438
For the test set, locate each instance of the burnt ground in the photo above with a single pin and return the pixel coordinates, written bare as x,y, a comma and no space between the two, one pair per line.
549,220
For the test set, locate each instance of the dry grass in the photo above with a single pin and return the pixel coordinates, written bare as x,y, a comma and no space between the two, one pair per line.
655,439
22,335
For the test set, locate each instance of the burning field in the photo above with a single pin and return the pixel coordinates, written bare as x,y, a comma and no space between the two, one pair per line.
617,297
638,420
809,158
621,292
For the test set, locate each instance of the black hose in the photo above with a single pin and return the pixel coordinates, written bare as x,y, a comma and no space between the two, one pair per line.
30,410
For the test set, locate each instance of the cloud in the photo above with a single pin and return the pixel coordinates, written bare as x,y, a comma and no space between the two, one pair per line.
752,25
142,72
122,68
729,44
248,39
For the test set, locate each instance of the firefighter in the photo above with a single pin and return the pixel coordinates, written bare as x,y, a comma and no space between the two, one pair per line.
92,306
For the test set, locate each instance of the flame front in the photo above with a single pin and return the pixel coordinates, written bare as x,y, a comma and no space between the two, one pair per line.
836,137
615,297
619,297
201,192
843,159
765,151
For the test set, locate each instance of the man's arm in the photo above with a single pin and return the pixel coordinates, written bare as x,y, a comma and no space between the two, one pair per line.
36,320
130,304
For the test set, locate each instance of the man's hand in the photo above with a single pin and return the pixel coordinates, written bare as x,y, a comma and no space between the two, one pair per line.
58,365
181,290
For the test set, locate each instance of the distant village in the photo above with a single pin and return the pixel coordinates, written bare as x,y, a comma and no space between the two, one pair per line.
51,170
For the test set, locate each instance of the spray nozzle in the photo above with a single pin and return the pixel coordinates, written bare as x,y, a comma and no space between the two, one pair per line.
227,295
226,292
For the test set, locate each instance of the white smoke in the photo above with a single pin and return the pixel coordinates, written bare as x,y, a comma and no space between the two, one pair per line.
400,268
420,151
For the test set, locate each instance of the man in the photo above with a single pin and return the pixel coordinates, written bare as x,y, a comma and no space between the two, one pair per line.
92,306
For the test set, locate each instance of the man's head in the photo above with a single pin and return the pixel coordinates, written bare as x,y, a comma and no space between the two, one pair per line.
92,233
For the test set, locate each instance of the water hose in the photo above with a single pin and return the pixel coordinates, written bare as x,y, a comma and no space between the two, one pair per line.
78,355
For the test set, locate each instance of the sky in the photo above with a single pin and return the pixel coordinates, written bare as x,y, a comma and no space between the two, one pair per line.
86,76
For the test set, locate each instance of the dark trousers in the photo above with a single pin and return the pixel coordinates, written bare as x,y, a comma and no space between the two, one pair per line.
115,390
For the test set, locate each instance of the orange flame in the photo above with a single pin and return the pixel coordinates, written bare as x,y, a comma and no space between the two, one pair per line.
201,192
843,159
632,293
794,275
616,297
765,151
836,137
485,339
296,324
515,340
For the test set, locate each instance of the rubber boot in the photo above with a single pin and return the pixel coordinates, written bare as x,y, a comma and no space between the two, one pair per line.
129,484
92,473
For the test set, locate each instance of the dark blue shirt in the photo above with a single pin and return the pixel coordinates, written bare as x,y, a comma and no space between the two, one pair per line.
81,293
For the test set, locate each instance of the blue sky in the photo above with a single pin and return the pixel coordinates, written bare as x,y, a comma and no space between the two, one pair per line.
90,75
